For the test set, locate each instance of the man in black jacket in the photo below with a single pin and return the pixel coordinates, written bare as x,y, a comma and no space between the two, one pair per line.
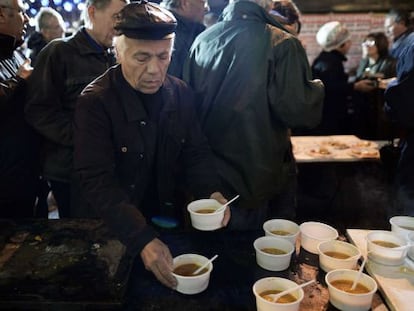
136,136
64,67
19,172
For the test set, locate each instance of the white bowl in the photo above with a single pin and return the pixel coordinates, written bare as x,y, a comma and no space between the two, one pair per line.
312,233
350,301
282,228
386,255
279,284
328,262
192,284
273,262
410,252
402,225
209,221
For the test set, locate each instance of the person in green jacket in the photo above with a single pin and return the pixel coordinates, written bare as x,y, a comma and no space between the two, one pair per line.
253,83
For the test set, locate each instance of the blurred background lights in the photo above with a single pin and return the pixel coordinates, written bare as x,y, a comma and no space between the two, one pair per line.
68,6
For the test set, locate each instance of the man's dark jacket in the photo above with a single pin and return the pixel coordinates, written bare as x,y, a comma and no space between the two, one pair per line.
63,69
19,163
113,136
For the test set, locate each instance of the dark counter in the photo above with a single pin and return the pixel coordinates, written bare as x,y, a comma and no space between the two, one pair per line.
89,270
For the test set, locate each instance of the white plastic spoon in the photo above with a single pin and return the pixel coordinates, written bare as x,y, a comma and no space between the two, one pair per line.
205,265
226,204
278,295
359,273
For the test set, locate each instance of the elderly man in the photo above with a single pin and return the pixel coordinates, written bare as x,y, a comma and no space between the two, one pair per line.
190,16
253,82
137,138
63,69
19,171
49,26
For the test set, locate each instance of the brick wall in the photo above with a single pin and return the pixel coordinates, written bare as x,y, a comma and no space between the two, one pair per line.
358,24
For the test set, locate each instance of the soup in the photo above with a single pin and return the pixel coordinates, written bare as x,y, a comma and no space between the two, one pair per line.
273,251
288,298
188,269
281,232
345,285
337,255
206,211
385,244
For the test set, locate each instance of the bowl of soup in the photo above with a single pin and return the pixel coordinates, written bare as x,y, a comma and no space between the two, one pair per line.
264,288
273,253
386,247
337,255
341,296
204,214
282,228
312,233
183,268
402,225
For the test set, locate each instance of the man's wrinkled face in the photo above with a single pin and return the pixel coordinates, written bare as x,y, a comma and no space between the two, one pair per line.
144,62
103,21
15,18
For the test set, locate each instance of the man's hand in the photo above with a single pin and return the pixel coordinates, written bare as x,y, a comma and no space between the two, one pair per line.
365,85
25,70
157,258
227,213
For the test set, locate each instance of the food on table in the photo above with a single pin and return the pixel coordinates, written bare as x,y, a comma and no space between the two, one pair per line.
273,251
336,144
288,298
364,153
363,143
281,232
320,151
188,269
386,244
337,255
206,211
345,285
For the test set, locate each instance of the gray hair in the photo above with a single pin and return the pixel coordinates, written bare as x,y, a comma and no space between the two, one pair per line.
171,4
44,16
98,4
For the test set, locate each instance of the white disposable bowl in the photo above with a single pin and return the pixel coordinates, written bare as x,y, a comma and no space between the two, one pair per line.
283,225
280,284
385,255
270,261
328,263
312,233
192,284
348,301
205,222
410,252
402,225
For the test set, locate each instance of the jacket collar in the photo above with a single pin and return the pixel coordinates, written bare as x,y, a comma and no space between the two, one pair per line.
85,44
247,10
133,107
7,46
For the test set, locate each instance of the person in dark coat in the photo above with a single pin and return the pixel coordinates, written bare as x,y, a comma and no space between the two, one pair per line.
189,15
19,163
137,139
64,67
49,26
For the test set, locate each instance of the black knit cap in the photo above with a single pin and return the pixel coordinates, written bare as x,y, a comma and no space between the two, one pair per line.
145,20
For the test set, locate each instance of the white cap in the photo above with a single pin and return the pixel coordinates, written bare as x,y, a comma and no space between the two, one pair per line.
332,35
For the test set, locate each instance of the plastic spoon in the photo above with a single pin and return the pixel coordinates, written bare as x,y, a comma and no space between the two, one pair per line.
205,265
226,204
287,291
359,273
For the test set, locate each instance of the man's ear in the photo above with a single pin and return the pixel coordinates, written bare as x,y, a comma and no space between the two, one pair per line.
2,15
91,13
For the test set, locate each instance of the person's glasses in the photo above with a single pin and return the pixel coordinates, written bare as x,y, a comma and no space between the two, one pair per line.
368,43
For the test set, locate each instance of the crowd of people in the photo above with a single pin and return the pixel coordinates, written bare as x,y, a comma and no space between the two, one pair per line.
147,107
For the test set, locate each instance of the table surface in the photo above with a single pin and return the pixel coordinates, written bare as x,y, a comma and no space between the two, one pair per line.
337,148
127,285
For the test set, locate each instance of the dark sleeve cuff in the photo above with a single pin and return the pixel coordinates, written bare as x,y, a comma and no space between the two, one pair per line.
137,241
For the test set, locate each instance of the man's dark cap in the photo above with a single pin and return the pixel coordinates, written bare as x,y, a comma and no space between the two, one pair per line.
145,20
